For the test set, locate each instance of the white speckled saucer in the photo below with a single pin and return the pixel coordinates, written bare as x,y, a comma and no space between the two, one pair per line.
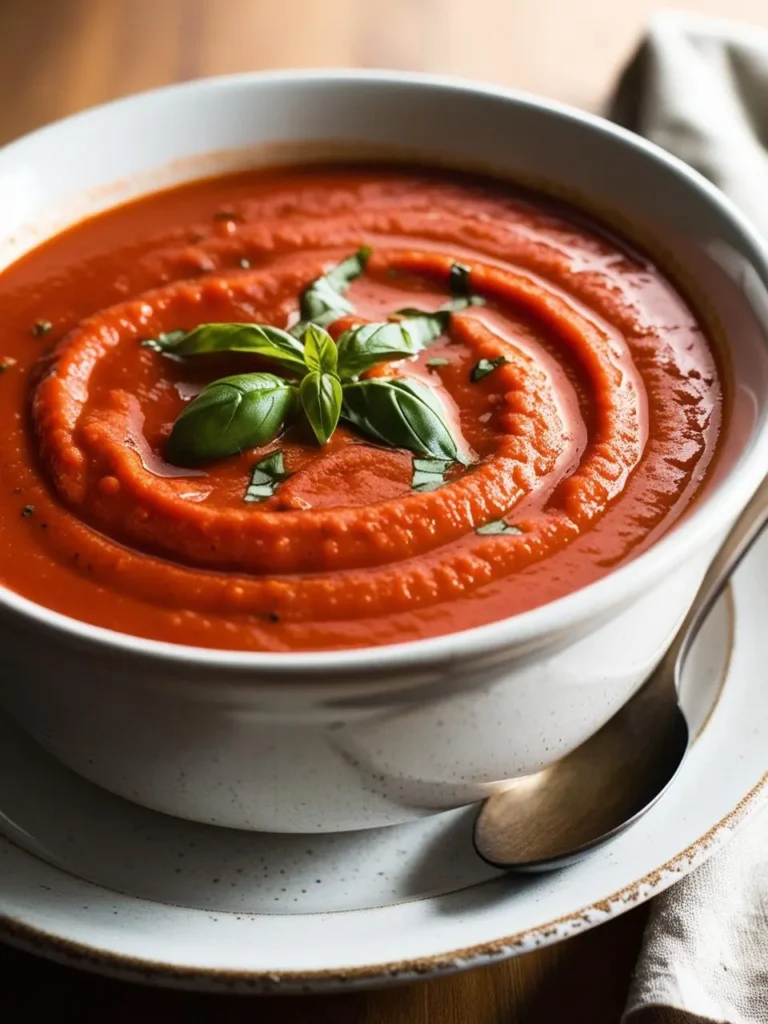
93,880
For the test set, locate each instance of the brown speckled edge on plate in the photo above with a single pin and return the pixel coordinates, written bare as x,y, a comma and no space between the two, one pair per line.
128,968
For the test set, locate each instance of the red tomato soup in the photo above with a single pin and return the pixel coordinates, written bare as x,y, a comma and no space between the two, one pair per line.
580,392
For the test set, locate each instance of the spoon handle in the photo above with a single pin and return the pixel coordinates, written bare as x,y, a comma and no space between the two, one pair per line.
737,543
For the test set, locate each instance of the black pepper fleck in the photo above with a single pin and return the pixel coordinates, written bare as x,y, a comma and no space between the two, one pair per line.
274,617
41,327
27,511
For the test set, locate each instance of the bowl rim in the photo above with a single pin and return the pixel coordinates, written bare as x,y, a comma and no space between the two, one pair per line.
552,619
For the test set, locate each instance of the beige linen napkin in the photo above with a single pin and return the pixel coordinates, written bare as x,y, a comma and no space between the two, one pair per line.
699,88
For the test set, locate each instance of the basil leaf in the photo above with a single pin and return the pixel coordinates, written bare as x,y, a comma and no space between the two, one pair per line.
426,327
461,289
429,474
231,414
401,413
321,400
266,477
486,366
260,339
323,301
497,526
362,347
320,353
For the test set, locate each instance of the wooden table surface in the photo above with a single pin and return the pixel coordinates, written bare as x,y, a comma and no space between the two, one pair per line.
59,56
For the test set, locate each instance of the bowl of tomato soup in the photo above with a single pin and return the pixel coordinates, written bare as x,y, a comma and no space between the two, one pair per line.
364,437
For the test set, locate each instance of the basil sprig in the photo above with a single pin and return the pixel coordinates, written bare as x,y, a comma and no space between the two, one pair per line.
402,413
249,409
231,414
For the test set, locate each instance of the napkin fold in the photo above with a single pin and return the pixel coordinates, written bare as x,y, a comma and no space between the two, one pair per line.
705,950
699,88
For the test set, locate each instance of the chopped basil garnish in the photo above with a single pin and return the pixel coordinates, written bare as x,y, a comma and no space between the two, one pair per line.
458,280
497,526
429,474
266,477
486,366
230,415
41,327
461,289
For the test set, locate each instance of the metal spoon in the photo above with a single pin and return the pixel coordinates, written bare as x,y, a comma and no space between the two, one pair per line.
556,816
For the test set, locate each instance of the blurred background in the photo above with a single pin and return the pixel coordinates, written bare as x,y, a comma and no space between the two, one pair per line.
59,56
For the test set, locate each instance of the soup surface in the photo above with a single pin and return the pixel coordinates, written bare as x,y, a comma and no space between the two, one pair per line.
582,397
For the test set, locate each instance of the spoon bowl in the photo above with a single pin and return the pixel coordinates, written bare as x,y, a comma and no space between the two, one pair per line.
553,818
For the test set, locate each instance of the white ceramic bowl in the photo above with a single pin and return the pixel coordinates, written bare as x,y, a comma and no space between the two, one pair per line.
347,740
